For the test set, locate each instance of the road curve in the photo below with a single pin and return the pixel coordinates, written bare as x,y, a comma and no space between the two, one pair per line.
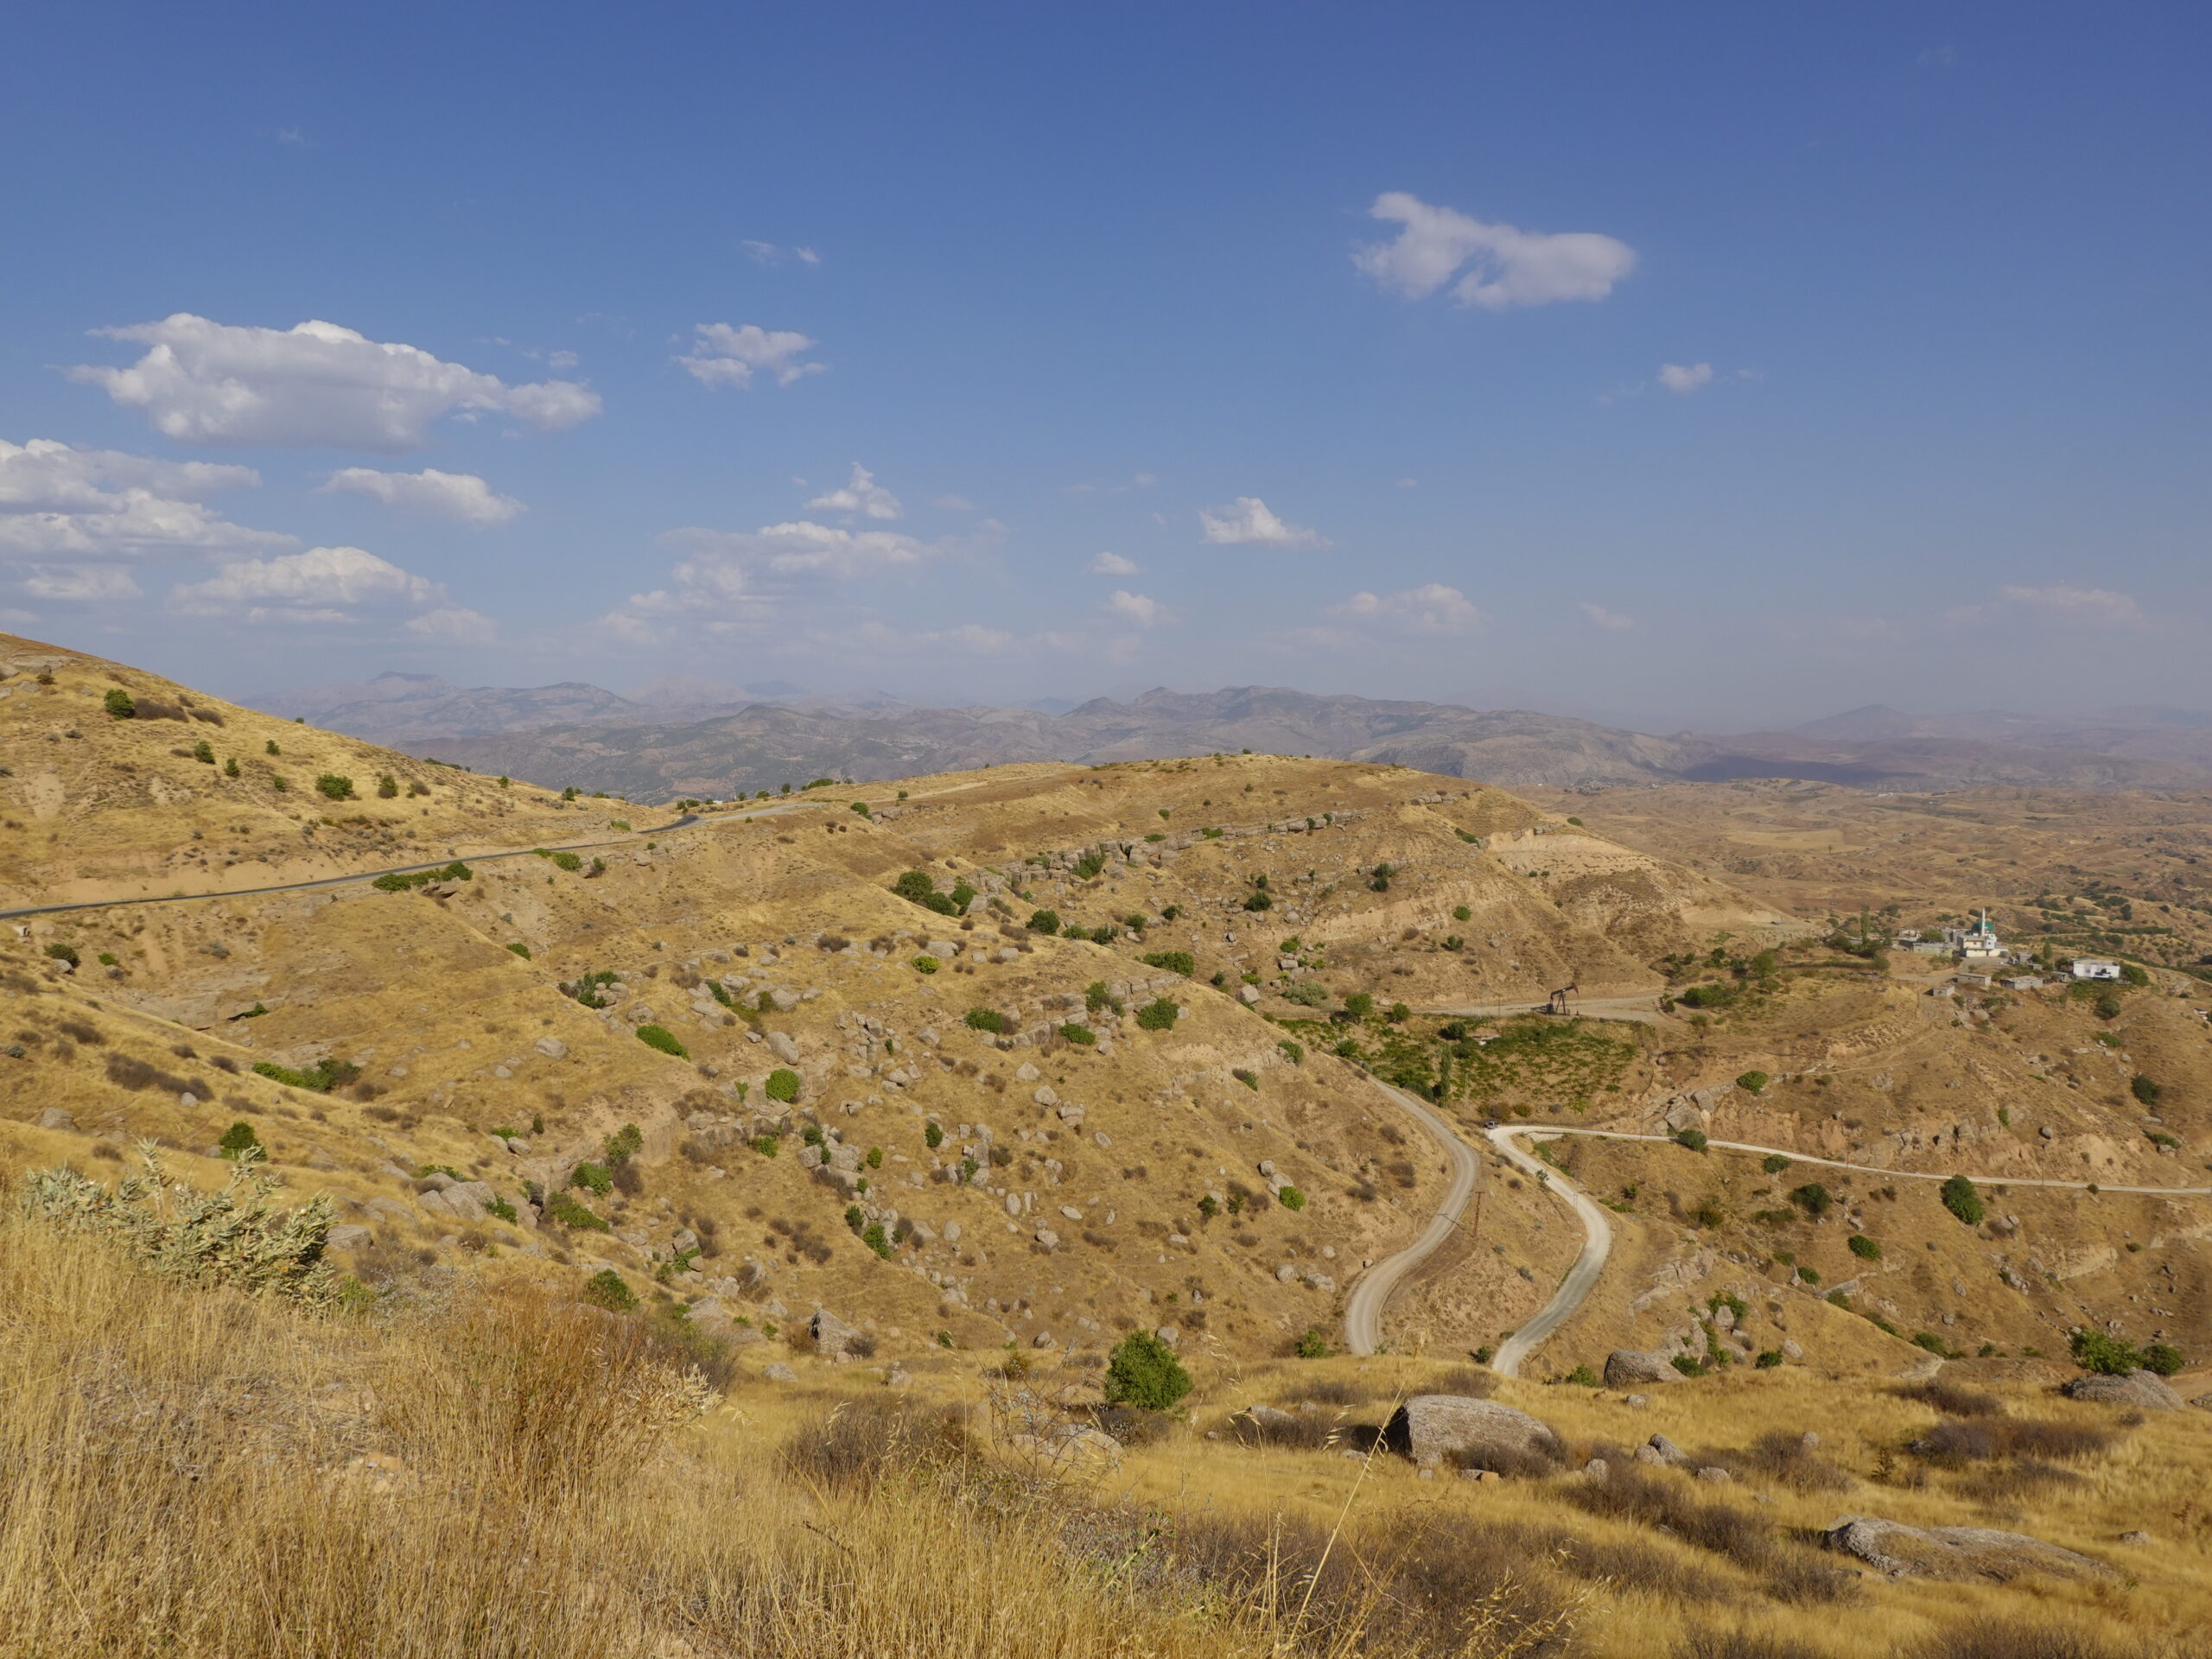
1364,1308
683,822
1581,1278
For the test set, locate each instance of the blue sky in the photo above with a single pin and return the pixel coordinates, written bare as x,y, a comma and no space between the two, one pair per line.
1729,365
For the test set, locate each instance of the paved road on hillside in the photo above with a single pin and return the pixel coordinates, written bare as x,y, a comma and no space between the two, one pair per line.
1644,1010
1364,1308
683,822
1581,1278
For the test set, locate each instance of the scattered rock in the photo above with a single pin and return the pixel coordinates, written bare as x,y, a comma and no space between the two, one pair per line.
1433,1425
55,1118
1627,1365
1714,1473
2138,1536
1637,1401
348,1238
551,1048
832,1336
1665,1451
783,1047
779,1373
1048,1238
1955,1552
2144,1390
1596,1468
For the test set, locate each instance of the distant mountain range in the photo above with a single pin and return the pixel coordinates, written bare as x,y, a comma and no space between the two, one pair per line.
684,735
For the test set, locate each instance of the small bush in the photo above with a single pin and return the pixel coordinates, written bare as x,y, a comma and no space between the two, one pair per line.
1359,1005
1754,1081
1687,1366
766,1145
2144,1090
876,1239
569,861
519,949
1290,1198
1864,1248
1250,1079
933,1135
662,1038
989,1020
238,1141
607,1289
204,752
1963,1201
783,1084
1768,1358
2164,1359
1775,1163
118,705
1143,1371
387,787
1175,962
1693,1138
596,1179
926,964
1044,921
1311,1343
1158,1015
2107,1356
566,1210
1083,1036
1292,1051
1812,1198
60,951
337,788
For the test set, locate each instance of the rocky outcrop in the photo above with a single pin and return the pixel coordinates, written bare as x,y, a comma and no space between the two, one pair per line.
1891,1548
2144,1390
1430,1427
1626,1367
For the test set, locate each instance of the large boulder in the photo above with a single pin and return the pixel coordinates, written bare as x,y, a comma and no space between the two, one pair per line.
2144,1390
1902,1552
1626,1367
1477,1433
833,1337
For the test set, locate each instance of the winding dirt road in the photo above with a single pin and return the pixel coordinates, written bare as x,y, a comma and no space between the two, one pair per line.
1364,1308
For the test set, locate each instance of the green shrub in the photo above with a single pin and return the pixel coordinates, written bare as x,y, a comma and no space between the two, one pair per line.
662,1038
1044,921
2108,1005
1157,1015
2163,1359
1259,898
933,1134
783,1084
2135,973
926,964
230,766
519,949
916,886
607,1289
1774,1163
387,787
1175,962
1290,1198
856,1218
596,1179
566,1210
1359,1005
1812,1198
1311,1343
1292,1051
322,1077
337,788
874,1237
1088,865
623,1145
1083,1036
860,807
61,950
1769,1359
720,992
569,861
766,1145
1582,1377
1864,1248
1687,1366
1693,1138
204,752
1143,1372
989,1020
1963,1201
1754,1081
2144,1090
238,1140
2108,1356
118,705
1461,913
1308,993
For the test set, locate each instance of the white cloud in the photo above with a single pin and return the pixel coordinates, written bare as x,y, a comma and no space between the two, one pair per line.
1601,618
2070,602
59,501
312,384
767,253
445,495
1113,564
799,548
1246,522
1510,266
455,624
80,582
969,640
1406,484
1432,608
953,502
723,356
1137,608
860,494
1684,378
323,584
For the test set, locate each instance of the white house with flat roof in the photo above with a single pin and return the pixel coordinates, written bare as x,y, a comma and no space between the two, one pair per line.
2093,968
